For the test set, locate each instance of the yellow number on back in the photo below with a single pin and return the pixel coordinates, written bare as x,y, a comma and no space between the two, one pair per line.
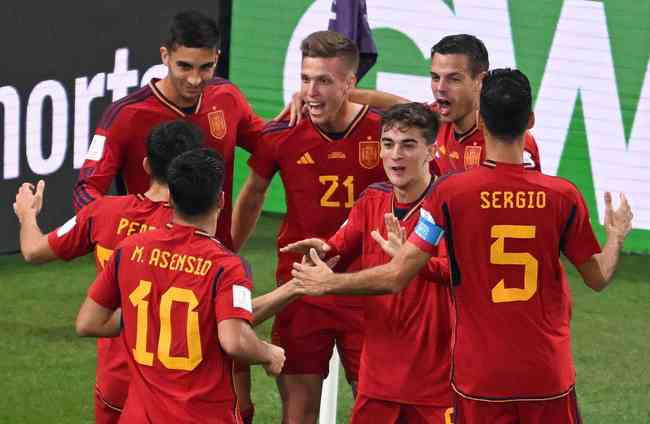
173,294
498,256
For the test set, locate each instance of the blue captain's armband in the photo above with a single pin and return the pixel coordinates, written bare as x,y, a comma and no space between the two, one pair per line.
427,229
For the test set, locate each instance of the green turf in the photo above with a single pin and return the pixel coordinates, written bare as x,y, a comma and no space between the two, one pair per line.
47,373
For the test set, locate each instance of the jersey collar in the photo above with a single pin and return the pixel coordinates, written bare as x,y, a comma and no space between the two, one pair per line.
168,103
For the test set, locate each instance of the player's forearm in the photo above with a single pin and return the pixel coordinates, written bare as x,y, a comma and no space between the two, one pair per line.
247,348
608,261
436,270
266,306
33,243
374,98
94,320
245,215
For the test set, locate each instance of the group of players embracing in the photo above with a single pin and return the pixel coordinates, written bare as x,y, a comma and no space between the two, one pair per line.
422,241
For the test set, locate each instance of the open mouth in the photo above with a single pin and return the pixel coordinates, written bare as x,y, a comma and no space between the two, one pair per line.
316,108
398,169
444,106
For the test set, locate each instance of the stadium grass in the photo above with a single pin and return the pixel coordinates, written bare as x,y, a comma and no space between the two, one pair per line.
47,373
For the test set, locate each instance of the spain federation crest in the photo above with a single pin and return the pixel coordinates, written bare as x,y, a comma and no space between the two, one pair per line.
369,154
217,122
472,156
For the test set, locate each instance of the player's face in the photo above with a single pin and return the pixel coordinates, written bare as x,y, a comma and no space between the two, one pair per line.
188,70
405,156
326,83
454,89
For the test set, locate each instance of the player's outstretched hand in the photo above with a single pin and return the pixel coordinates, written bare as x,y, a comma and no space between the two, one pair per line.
618,223
312,277
29,199
396,235
293,109
276,361
303,246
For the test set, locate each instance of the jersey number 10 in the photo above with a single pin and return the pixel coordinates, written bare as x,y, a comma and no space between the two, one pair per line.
173,294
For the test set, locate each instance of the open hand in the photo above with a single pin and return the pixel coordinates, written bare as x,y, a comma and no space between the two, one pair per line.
618,223
396,235
312,275
293,109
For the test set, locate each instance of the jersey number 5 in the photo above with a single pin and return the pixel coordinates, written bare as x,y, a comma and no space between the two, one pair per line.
333,181
498,256
173,294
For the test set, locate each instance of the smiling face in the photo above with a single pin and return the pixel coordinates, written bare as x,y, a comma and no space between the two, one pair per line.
326,84
188,71
406,156
455,90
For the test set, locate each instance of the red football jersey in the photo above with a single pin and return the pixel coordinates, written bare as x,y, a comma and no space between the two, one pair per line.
99,227
119,144
505,228
406,350
460,152
174,286
322,178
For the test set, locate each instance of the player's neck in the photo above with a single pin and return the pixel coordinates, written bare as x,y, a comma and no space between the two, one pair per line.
503,151
413,191
346,114
167,89
206,222
465,123
157,192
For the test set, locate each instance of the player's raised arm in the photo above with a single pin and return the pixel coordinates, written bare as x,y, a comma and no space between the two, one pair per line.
599,270
375,98
33,243
248,208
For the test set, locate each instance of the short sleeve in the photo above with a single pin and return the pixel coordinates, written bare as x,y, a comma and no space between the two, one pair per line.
105,289
429,230
234,291
250,126
264,160
578,240
531,151
73,238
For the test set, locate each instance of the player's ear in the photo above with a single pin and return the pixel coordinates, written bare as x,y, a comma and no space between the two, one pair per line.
531,120
164,55
146,165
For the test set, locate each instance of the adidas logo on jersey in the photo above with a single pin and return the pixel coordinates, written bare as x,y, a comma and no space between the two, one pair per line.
305,159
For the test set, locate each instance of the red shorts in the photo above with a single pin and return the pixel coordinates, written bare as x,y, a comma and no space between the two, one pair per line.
370,411
308,332
105,412
561,411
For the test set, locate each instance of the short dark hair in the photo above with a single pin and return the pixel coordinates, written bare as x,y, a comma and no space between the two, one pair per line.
328,44
196,181
412,115
506,103
193,29
168,140
467,45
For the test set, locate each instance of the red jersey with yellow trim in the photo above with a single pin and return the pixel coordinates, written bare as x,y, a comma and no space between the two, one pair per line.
322,178
119,144
174,286
506,226
406,350
460,152
99,227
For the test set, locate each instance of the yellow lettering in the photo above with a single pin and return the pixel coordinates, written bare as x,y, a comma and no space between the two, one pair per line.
541,199
191,262
507,200
197,271
137,253
531,200
496,199
164,259
155,255
206,267
485,200
133,227
122,225
521,199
